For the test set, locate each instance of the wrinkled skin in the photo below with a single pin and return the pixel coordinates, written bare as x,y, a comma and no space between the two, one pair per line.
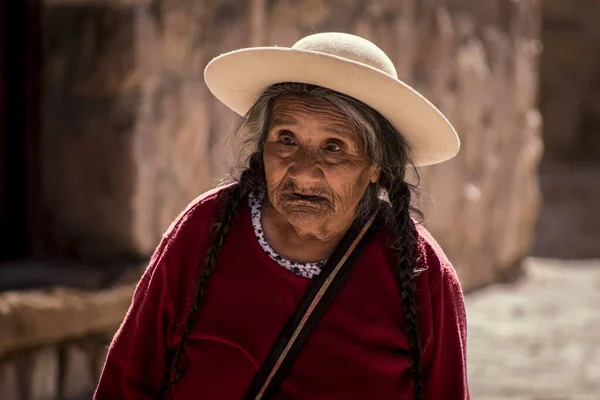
317,172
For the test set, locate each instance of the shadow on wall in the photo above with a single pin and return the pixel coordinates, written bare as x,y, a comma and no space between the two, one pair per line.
87,171
569,225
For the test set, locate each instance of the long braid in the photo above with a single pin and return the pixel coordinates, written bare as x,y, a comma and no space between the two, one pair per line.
221,227
406,242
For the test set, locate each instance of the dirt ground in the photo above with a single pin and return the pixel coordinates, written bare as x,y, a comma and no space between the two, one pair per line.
537,339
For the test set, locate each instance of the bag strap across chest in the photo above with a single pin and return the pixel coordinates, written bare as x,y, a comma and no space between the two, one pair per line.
313,306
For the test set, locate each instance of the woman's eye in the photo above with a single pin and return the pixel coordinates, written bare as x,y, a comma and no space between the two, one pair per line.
333,148
286,140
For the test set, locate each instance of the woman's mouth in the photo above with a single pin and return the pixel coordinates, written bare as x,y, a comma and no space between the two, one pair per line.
295,202
299,196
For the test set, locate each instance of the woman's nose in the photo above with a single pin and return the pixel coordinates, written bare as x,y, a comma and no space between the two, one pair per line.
305,167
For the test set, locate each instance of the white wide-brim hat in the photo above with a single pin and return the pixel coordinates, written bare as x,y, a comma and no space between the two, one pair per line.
347,64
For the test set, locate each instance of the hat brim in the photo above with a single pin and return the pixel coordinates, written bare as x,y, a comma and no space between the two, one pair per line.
238,78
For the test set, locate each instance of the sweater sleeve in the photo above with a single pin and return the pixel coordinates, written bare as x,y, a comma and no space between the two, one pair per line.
446,375
136,366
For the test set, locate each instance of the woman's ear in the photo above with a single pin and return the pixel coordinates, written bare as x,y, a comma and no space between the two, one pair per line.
376,171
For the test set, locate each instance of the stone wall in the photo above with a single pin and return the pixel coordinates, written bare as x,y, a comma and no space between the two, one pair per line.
129,126
478,62
65,371
53,343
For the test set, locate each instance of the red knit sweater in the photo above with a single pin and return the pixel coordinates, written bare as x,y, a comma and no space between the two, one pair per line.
357,351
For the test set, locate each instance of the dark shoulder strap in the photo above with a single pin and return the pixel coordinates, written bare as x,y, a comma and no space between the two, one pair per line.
318,297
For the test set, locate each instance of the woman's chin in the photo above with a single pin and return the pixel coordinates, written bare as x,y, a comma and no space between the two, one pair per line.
306,222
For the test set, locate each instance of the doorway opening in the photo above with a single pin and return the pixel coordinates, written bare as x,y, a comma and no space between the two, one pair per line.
19,125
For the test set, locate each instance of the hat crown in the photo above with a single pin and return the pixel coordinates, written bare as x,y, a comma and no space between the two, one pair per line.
350,47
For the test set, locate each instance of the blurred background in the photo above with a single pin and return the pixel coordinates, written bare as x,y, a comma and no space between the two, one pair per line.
107,132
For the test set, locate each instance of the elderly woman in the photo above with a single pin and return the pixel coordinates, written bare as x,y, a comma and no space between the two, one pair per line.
306,277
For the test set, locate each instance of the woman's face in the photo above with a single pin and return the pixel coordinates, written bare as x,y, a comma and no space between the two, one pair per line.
316,168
